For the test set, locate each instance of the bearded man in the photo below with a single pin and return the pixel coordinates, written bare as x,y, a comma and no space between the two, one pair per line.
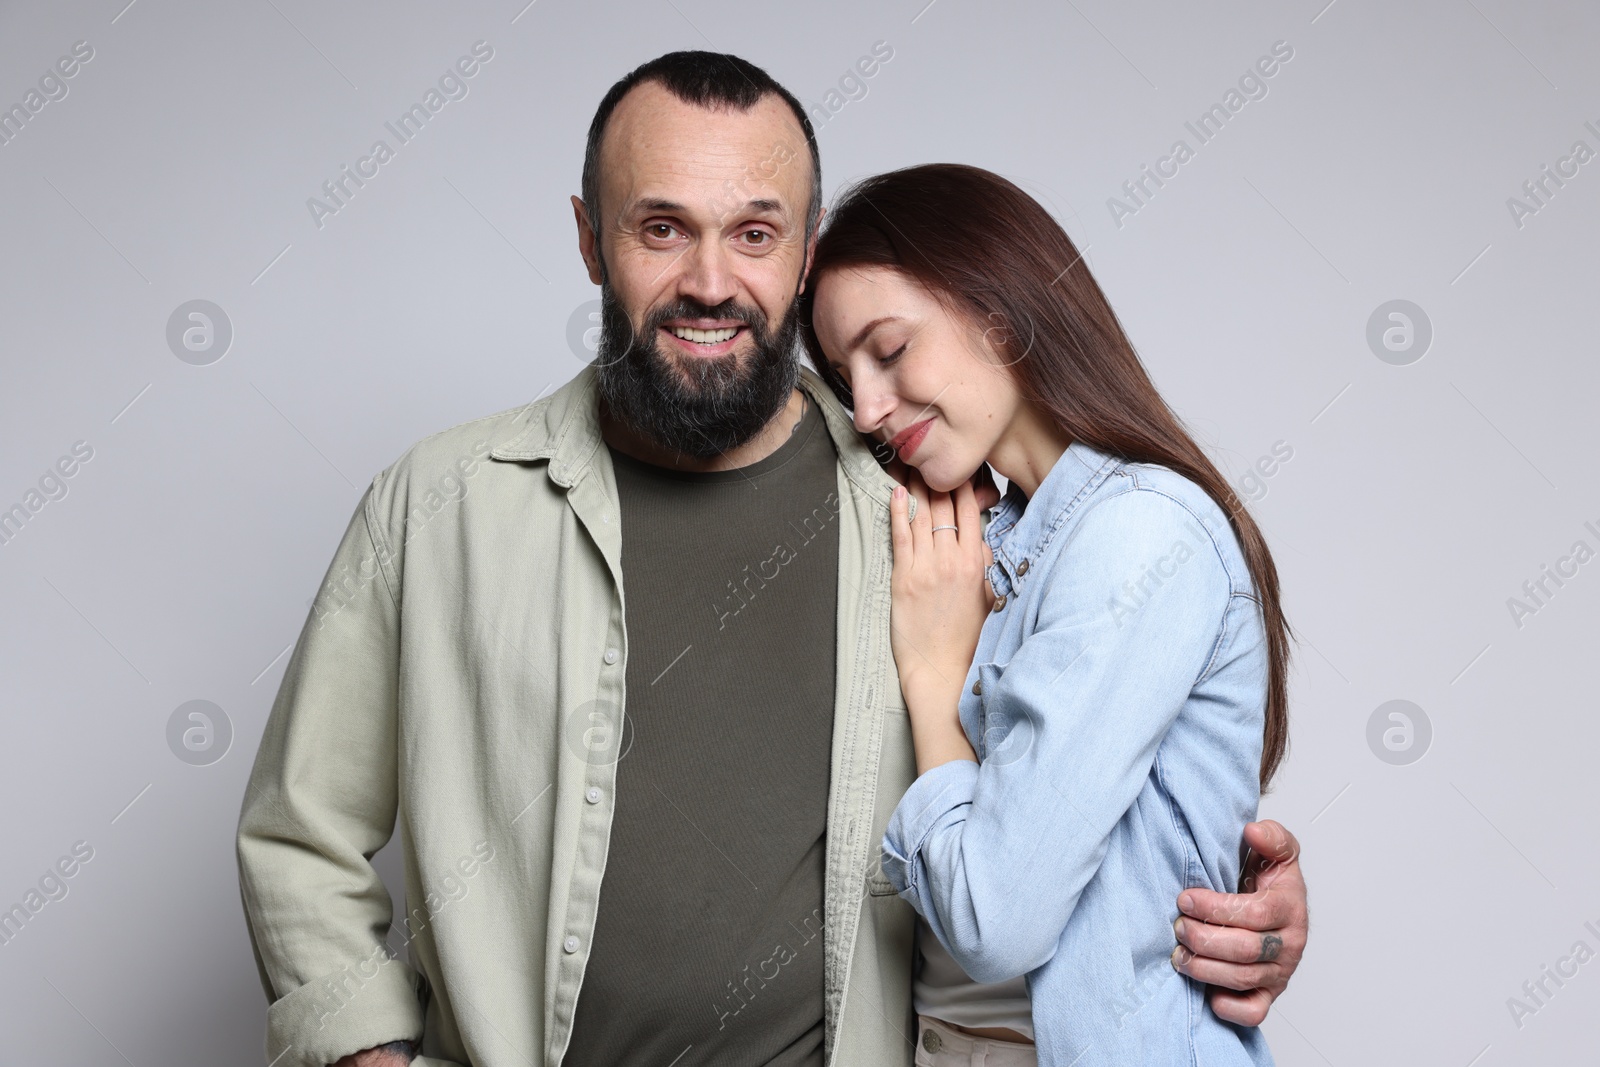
692,531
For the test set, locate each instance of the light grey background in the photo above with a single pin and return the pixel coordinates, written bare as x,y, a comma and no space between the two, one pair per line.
1418,499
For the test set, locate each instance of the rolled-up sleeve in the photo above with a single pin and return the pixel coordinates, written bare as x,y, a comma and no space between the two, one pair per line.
996,855
320,802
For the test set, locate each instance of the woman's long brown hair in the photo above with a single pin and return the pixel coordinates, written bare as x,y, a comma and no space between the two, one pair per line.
994,255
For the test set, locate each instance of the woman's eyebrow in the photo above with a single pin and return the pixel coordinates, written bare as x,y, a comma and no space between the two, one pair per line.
861,336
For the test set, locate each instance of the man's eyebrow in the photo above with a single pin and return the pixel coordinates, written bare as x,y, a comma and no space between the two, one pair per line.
656,204
673,207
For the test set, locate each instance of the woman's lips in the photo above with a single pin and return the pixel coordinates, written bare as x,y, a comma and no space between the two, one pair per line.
906,441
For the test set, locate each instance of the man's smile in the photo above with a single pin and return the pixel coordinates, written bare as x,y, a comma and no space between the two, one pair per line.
704,337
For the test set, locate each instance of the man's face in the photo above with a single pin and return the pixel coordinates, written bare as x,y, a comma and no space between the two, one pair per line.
701,247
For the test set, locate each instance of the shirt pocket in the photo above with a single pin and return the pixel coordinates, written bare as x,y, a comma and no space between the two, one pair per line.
897,769
985,728
1192,870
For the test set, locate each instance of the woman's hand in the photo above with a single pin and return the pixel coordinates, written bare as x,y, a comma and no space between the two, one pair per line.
940,598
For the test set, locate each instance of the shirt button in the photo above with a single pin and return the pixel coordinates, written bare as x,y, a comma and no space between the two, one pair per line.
592,796
611,655
977,688
999,602
1022,568
931,1041
570,944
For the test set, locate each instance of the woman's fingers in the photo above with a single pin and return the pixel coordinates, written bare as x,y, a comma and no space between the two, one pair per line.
900,525
921,525
934,514
983,485
943,513
972,542
966,500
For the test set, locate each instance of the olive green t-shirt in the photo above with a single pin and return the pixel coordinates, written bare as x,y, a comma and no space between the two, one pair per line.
707,947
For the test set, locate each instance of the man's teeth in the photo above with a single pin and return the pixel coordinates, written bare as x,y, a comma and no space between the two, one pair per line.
705,337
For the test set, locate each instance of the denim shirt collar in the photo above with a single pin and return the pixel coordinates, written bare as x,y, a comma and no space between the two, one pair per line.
1020,529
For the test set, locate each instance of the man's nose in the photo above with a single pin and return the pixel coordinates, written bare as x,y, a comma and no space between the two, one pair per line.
708,274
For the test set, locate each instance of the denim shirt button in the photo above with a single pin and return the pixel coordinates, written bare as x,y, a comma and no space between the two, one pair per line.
1022,568
977,688
999,602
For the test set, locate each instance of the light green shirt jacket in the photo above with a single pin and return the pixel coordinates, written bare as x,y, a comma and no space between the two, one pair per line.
462,672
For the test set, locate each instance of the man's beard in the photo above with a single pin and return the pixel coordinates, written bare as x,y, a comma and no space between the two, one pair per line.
695,405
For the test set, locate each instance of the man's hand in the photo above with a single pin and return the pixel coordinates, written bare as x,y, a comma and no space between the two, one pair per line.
1246,945
394,1054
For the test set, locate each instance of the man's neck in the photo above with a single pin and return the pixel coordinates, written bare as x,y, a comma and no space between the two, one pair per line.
771,437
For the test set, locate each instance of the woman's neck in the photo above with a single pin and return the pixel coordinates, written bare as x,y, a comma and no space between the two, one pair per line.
1029,448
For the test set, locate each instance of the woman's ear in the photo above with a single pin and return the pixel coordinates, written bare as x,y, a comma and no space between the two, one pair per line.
1006,343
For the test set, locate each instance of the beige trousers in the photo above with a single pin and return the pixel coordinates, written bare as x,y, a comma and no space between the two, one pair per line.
941,1045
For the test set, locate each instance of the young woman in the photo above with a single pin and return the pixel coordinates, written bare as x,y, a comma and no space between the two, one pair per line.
1095,681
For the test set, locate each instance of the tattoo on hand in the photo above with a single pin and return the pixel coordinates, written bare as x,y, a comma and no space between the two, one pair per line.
1270,944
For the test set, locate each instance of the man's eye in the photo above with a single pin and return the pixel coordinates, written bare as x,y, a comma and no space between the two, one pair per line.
761,238
660,229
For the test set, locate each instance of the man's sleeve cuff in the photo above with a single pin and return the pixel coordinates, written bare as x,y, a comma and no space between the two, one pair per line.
925,805
357,1007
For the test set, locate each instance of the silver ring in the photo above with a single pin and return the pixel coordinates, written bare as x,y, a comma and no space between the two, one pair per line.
936,529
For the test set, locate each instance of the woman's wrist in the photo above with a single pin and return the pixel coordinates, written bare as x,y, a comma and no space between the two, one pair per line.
936,733
934,692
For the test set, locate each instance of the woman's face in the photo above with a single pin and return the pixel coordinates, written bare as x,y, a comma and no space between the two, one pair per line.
925,379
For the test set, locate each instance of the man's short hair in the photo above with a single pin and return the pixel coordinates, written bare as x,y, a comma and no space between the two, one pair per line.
705,79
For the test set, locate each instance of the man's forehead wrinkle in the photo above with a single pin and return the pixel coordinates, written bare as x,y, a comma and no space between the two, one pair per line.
653,135
641,188
753,164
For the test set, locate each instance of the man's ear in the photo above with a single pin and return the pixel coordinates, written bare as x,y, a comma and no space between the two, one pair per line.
811,250
586,240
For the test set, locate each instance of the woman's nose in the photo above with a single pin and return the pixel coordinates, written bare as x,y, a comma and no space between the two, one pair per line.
872,407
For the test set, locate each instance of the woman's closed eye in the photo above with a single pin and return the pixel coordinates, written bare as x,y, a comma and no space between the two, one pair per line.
843,369
883,361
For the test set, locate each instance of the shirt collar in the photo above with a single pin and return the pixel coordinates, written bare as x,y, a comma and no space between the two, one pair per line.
1020,529
565,429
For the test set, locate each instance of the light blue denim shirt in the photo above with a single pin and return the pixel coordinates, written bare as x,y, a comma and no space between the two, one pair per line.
1116,703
